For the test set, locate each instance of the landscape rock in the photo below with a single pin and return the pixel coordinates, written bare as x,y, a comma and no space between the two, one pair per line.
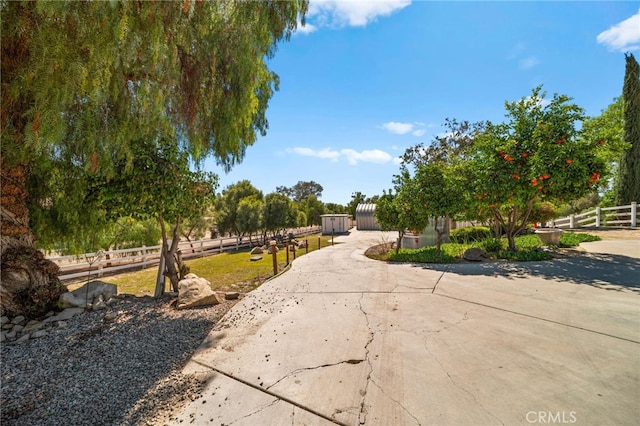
195,291
18,319
65,315
69,300
231,295
110,316
112,301
302,244
23,339
98,303
38,334
474,254
3,336
89,291
8,326
256,250
18,328
3,320
31,326
63,324
272,247
11,334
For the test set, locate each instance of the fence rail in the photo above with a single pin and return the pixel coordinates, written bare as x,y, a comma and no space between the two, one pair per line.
87,265
601,216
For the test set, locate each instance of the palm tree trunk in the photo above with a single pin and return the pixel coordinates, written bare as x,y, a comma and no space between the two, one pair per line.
29,282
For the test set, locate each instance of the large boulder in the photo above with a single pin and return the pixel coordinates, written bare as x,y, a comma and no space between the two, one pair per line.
87,294
474,254
195,291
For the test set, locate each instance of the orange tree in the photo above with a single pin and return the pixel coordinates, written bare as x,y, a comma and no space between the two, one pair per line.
536,155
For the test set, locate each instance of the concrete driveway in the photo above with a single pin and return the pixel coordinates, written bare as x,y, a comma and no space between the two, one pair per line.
342,339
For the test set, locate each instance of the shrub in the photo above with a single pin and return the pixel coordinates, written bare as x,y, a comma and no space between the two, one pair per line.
492,245
469,234
570,239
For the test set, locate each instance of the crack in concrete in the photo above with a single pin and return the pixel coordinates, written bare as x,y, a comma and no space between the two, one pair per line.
256,411
457,385
362,415
438,281
349,361
397,402
268,392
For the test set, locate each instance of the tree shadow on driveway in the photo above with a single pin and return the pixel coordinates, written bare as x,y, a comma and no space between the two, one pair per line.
606,271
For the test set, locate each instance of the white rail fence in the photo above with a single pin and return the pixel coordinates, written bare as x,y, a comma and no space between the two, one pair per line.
601,216
84,266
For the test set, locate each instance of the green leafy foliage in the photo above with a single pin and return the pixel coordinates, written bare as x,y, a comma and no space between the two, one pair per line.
279,212
628,183
313,209
469,234
534,156
571,239
302,190
227,204
528,248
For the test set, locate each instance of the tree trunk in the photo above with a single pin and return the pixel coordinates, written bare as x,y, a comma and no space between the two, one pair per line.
175,269
29,283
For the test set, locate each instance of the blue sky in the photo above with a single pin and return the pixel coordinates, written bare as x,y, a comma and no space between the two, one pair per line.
364,80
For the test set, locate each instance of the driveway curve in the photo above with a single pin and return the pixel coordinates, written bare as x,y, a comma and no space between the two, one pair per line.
342,339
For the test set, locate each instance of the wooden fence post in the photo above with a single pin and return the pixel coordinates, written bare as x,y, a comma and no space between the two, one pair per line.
597,216
634,213
274,255
144,257
572,221
286,248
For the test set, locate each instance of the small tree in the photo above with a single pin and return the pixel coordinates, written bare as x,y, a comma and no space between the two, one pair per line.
535,155
440,194
389,216
249,215
279,213
313,208
159,183
226,206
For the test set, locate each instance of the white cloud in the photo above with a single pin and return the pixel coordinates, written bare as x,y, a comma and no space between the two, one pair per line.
624,36
327,153
353,13
352,156
529,62
397,127
367,156
307,28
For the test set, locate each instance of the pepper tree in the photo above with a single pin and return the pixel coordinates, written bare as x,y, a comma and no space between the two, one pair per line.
82,81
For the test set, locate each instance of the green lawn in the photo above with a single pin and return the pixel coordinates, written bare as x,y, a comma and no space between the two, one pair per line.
228,271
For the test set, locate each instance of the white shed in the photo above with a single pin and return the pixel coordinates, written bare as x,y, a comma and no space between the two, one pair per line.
366,217
335,223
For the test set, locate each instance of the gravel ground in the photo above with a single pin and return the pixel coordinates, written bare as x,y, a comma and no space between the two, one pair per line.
126,371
